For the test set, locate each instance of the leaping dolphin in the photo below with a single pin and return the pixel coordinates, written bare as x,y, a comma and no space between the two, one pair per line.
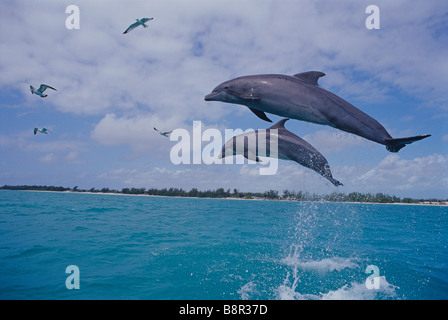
139,22
40,91
289,147
300,97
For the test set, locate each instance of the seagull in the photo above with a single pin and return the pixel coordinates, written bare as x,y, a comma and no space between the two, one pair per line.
43,130
138,23
40,91
165,134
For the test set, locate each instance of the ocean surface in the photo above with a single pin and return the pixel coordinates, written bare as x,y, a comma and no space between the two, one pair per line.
141,247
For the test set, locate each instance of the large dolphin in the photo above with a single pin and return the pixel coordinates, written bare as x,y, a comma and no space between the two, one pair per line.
289,147
300,97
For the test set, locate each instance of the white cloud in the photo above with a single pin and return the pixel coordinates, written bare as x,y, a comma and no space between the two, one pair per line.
73,157
48,158
419,177
185,52
53,151
395,173
328,142
137,132
158,77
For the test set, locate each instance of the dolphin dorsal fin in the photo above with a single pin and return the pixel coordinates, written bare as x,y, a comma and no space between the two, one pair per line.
280,124
310,76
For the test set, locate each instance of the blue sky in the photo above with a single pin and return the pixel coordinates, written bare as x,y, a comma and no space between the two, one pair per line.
114,88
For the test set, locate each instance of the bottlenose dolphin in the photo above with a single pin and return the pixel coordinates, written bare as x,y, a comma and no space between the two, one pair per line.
139,22
300,97
289,147
40,91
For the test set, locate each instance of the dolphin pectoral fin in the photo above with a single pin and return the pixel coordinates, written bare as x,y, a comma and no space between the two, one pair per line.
260,114
394,145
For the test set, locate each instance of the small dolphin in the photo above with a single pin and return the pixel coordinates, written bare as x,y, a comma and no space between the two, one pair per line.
139,22
289,147
40,91
163,133
300,97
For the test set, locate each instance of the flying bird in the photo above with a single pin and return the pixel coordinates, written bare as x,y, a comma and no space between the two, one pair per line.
278,143
300,97
40,91
163,133
43,130
139,22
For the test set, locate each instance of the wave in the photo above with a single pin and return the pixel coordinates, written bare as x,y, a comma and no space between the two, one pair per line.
328,274
35,250
354,291
247,290
324,265
360,291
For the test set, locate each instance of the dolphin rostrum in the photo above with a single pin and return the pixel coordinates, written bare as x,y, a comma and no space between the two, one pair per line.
300,97
288,147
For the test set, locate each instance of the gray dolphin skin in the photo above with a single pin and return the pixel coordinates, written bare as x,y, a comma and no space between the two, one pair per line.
300,97
289,147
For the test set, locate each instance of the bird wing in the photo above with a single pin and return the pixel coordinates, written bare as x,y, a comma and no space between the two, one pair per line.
131,27
35,130
146,19
166,133
44,87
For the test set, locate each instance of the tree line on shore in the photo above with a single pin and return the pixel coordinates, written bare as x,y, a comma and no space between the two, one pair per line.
222,193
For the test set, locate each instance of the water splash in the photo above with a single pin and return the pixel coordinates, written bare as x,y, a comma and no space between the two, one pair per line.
247,290
323,261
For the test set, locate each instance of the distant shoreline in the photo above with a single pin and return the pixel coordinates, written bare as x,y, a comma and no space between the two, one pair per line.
423,203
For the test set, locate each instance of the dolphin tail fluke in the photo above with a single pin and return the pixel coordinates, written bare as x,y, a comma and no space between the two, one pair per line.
335,182
394,145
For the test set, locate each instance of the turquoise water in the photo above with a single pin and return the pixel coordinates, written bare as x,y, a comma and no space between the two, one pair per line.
139,247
